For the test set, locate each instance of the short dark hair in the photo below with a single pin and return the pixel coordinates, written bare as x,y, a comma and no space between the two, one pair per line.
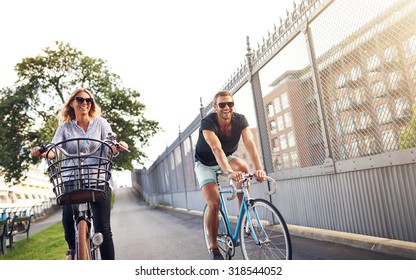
222,93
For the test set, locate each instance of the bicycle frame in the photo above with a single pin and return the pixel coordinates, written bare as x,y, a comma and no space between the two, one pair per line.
234,234
260,229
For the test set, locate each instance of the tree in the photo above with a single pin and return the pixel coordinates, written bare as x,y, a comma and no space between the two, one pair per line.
29,109
407,136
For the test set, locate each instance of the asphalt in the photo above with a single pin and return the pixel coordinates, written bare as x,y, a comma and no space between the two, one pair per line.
382,245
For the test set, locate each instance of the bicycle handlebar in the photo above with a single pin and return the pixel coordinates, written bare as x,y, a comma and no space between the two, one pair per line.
249,177
110,140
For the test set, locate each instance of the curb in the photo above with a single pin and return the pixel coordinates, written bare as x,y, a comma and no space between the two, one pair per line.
378,244
395,247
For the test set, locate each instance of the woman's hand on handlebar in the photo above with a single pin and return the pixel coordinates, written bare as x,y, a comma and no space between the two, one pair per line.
41,151
35,152
120,146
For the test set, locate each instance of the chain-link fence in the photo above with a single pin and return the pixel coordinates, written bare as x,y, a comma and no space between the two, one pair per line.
331,89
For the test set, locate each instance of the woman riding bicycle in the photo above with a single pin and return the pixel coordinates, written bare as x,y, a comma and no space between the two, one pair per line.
80,118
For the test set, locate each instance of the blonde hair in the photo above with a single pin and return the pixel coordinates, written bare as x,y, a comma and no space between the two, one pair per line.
67,113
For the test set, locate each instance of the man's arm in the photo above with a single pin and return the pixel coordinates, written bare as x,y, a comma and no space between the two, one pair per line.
250,145
216,148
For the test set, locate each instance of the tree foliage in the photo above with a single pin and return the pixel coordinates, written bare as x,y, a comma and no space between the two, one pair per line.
407,136
29,109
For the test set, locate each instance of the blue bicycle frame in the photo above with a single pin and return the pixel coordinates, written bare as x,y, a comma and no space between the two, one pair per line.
244,208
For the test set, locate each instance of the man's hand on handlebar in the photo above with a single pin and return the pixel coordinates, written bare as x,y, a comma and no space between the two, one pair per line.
260,175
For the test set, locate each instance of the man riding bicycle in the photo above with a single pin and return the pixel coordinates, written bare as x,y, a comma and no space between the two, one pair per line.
219,135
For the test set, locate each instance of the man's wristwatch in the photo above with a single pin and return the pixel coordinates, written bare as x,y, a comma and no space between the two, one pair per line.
229,171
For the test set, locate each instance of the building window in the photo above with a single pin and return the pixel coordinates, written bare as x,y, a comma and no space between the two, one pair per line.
373,63
355,148
285,101
270,111
342,80
344,152
345,102
288,119
280,123
272,127
351,124
335,110
277,107
389,140
360,97
283,142
390,54
291,139
410,47
276,145
379,89
286,161
365,120
402,107
383,114
369,145
356,73
395,79
339,128
412,75
294,158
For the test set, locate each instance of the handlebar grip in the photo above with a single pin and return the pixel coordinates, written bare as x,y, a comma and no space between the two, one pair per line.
42,148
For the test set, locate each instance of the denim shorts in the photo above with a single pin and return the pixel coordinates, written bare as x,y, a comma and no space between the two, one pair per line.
207,174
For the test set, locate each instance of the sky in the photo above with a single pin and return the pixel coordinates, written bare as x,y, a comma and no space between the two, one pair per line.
172,52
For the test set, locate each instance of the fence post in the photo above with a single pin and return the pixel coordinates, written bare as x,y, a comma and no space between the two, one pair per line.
329,166
259,109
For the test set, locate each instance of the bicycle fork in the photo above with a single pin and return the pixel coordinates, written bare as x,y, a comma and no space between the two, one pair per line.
250,227
96,238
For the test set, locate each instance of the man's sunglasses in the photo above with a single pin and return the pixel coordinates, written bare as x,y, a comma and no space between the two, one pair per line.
223,104
81,100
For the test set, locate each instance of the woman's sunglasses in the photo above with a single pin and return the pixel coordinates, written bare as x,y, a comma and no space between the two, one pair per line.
223,104
81,100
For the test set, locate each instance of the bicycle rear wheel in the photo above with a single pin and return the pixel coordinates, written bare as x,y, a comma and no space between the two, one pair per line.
221,234
84,241
266,237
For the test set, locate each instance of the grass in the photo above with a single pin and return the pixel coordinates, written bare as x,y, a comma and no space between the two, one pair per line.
46,245
49,244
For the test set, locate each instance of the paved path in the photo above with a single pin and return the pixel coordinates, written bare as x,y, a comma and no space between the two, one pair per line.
142,232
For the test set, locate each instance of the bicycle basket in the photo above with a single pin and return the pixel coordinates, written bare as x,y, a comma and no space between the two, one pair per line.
80,170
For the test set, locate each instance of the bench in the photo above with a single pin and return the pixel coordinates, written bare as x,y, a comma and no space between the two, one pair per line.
4,234
19,225
16,221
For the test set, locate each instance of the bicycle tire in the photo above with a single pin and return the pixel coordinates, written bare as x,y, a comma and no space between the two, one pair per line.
221,235
274,241
84,241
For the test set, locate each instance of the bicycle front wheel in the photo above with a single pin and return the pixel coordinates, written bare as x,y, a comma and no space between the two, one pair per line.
264,234
84,241
222,233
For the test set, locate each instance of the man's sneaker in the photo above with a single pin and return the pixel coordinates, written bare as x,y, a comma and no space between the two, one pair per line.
216,254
